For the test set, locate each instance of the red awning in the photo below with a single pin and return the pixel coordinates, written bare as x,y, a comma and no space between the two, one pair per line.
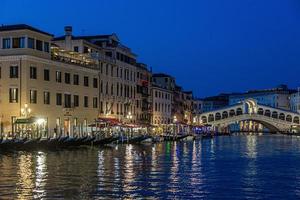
108,121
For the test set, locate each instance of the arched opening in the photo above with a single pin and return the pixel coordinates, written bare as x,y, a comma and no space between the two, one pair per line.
210,118
274,114
289,118
260,111
204,119
224,114
217,116
239,111
268,113
231,113
281,116
296,120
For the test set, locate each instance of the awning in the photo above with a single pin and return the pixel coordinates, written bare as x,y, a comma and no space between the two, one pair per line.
29,120
109,121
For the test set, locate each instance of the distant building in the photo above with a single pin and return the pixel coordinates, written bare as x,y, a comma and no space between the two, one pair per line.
143,94
295,102
214,102
164,80
278,97
197,106
161,105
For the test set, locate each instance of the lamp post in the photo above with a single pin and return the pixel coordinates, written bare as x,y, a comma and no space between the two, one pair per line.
129,117
25,112
40,122
175,121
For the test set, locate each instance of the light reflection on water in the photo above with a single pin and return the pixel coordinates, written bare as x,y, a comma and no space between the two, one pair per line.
240,167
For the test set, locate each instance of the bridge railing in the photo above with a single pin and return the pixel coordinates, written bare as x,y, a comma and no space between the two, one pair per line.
254,116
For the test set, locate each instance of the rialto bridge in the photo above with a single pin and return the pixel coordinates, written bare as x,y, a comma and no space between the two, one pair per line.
252,116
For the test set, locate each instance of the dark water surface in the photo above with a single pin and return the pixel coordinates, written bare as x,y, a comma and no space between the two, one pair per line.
236,167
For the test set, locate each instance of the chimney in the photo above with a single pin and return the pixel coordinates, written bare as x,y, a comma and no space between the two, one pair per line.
68,38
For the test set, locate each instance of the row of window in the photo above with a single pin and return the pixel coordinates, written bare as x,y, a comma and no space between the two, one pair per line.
19,42
67,103
110,108
118,72
121,89
14,73
162,95
161,107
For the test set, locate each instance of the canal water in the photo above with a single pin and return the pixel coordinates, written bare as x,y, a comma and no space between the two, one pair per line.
229,167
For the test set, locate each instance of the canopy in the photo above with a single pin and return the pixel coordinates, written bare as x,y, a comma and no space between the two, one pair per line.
29,120
109,121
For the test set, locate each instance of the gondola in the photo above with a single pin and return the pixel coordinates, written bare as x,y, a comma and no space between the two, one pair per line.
207,136
105,140
31,144
7,143
137,139
180,137
88,141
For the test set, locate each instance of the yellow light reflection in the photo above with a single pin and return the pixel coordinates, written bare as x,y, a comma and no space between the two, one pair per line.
40,175
25,185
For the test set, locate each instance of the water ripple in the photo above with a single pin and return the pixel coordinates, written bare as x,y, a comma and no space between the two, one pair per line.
245,167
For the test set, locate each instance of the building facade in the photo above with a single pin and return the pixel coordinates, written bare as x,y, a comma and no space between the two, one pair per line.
295,102
69,81
162,99
63,93
278,97
118,72
214,102
143,93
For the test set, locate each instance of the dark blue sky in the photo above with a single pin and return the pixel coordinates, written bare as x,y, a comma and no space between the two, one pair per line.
210,46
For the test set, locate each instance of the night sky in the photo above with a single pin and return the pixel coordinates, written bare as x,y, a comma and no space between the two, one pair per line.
210,46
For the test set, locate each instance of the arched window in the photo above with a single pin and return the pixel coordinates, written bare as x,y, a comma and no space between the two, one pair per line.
281,116
231,113
260,111
217,116
204,119
274,114
268,113
239,111
296,120
289,118
210,118
224,114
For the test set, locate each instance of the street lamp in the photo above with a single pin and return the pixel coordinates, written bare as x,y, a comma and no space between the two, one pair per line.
129,115
40,122
25,112
194,120
174,121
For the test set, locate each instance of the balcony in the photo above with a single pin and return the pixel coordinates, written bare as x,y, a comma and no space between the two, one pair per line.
73,58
